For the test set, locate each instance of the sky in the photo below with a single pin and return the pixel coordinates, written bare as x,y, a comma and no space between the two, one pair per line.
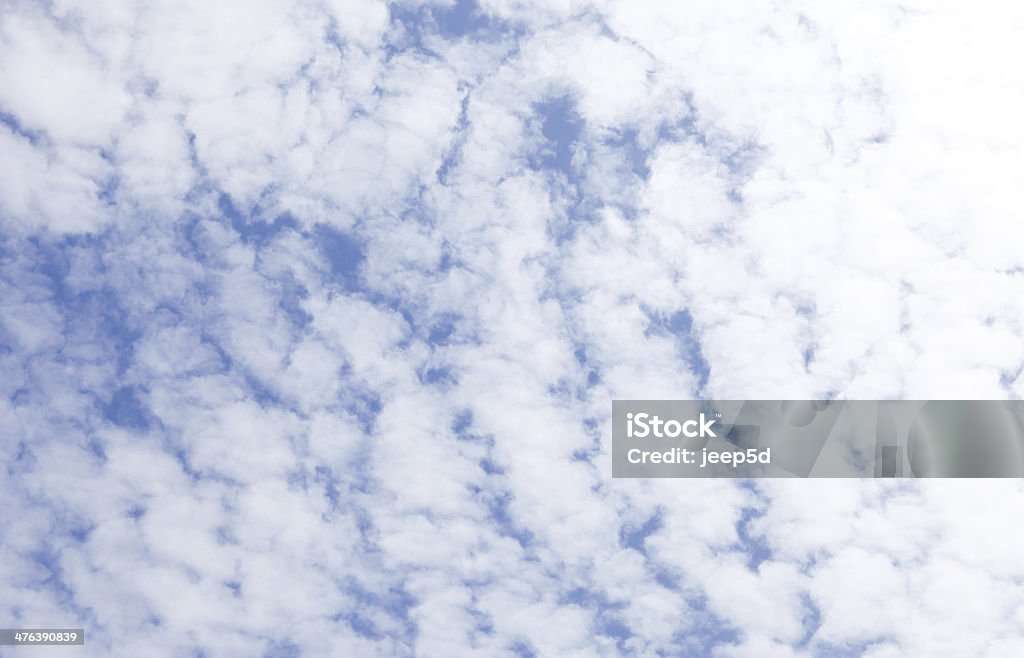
313,312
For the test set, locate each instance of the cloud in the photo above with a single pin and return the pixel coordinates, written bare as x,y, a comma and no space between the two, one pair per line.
312,313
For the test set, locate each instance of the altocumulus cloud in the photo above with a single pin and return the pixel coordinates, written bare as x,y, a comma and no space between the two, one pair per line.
312,313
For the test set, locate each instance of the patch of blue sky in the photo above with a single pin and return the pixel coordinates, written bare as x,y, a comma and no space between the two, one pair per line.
360,402
49,575
393,601
635,536
292,294
127,410
699,633
706,634
463,19
591,370
680,129
344,255
497,500
441,376
523,649
591,428
679,326
462,423
282,648
607,614
451,158
443,330
98,325
251,226
627,142
561,127
753,545
34,137
108,191
811,621
259,391
21,459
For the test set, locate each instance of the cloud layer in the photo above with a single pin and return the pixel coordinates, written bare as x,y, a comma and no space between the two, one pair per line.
313,312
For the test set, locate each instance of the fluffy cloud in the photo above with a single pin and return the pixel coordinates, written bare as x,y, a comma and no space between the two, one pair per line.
312,314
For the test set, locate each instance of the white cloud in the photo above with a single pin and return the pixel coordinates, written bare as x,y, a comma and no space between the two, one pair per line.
827,192
55,84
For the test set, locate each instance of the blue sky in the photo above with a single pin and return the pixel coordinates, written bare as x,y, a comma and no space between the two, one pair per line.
312,314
